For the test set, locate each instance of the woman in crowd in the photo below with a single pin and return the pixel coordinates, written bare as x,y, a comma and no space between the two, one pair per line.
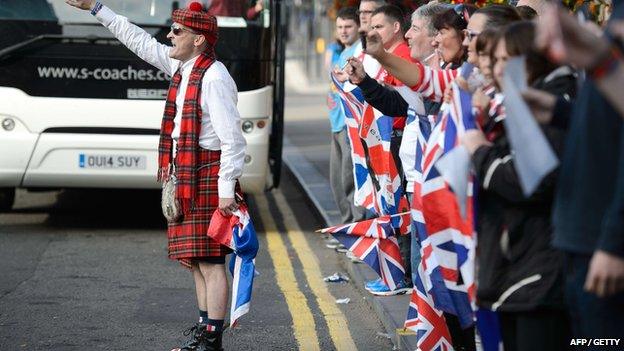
487,102
450,26
520,274
432,83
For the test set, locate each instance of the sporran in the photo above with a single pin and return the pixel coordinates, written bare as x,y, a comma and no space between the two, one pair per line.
170,205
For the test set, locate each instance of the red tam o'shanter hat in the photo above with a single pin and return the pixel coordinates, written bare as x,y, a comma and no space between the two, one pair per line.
196,18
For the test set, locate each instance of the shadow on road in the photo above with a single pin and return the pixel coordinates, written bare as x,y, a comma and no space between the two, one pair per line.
100,208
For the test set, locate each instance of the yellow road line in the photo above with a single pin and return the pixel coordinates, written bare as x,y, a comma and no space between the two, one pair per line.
304,327
336,321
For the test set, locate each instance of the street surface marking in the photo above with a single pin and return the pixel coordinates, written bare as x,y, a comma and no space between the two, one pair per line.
304,327
336,321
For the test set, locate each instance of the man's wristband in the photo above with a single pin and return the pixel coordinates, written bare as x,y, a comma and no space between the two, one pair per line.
96,8
606,64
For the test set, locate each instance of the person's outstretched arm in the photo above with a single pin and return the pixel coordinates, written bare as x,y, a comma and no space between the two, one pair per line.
430,83
403,70
566,41
386,100
133,37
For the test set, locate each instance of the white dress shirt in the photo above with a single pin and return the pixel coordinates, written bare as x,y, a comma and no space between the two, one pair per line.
220,123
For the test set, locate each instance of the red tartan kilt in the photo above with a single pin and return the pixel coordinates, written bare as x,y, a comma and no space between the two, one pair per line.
188,239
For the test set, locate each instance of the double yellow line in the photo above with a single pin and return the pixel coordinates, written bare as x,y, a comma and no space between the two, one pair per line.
303,322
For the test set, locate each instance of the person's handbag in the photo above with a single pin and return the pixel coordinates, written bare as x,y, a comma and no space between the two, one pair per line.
170,205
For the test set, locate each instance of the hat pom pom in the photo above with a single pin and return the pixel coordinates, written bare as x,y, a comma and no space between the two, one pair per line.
195,6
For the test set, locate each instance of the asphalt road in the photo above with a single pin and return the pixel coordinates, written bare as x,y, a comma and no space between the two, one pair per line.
88,269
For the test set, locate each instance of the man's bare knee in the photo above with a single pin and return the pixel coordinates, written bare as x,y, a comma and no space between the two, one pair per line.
211,269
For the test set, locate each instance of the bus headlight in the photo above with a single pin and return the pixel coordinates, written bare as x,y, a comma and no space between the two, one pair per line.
8,124
247,126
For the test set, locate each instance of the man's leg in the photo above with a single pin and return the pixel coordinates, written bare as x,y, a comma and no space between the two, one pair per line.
200,287
542,329
200,292
216,291
414,249
336,178
405,241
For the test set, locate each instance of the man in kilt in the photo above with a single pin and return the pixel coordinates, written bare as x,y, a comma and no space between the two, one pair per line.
200,141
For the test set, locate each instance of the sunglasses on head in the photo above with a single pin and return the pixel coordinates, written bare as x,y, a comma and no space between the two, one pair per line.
177,30
462,12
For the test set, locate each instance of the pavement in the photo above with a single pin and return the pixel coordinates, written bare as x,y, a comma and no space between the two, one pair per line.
306,154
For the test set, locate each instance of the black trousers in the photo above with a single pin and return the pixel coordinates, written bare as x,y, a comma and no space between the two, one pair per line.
463,339
541,329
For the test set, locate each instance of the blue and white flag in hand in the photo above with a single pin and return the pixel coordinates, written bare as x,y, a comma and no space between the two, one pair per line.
238,233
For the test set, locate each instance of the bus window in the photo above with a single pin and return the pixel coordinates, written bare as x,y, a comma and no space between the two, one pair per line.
30,9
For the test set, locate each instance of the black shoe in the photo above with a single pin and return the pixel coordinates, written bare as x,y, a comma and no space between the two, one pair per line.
210,341
193,342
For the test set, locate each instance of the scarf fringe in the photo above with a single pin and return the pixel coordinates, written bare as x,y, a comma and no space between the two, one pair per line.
163,174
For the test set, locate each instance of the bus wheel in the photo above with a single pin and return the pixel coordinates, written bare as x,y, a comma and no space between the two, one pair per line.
7,197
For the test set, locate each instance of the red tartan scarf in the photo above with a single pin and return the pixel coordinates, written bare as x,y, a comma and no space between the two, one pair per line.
188,143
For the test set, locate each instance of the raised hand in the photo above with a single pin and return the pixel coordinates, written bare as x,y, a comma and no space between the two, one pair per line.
81,4
355,70
567,41
374,46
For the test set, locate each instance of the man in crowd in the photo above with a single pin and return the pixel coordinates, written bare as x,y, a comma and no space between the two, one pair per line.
388,21
340,164
365,12
420,45
587,215
201,86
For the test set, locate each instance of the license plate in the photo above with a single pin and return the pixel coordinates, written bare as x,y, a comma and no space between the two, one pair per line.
111,161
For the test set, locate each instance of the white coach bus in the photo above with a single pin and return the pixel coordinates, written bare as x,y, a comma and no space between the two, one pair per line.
79,110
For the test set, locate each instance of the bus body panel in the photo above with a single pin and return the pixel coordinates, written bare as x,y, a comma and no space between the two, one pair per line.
45,156
56,161
17,146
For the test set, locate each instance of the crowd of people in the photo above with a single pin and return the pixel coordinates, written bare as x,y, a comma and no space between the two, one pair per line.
551,264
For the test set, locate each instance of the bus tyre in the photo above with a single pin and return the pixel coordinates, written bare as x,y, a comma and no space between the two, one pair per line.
7,196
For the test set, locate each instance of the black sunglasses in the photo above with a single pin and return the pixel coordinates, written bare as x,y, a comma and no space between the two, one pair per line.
177,30
363,12
462,12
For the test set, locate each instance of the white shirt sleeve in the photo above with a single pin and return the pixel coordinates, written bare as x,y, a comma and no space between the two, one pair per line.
137,40
220,98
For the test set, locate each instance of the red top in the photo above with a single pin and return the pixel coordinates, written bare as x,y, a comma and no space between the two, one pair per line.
226,8
403,51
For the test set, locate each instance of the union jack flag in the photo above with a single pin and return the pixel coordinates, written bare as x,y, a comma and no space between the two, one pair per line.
382,255
373,241
237,232
448,243
377,180
427,321
424,316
